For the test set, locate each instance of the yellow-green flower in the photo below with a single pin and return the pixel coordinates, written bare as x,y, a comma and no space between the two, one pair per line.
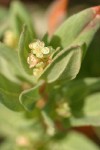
39,57
63,109
32,60
10,39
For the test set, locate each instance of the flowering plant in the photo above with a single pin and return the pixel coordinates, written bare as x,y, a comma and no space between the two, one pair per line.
46,80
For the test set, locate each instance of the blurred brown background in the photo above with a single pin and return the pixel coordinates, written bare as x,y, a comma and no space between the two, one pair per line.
45,2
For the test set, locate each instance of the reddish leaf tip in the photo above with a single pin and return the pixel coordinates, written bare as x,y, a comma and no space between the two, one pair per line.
96,9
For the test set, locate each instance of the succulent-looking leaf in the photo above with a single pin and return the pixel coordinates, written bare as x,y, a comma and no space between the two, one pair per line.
10,66
65,65
79,28
29,97
9,94
23,49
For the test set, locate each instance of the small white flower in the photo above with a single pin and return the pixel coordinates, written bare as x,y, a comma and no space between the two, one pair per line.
63,110
45,50
50,131
36,45
37,71
38,48
41,44
40,65
22,141
39,55
32,61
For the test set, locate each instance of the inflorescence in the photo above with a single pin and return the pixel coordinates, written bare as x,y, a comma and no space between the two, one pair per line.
10,39
39,57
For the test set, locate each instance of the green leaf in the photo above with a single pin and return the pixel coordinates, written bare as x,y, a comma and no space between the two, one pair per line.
23,50
20,16
9,94
79,28
7,70
19,126
90,113
50,126
10,66
72,141
28,98
8,53
91,63
84,101
65,65
84,86
46,39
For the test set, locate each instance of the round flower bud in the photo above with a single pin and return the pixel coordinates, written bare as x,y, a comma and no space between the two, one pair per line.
39,55
10,39
32,61
45,50
37,71
63,110
40,64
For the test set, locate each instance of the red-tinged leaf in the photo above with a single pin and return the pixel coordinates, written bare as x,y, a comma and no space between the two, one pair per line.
57,14
96,10
79,28
91,28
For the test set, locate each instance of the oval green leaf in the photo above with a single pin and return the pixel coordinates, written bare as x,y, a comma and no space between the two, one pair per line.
65,65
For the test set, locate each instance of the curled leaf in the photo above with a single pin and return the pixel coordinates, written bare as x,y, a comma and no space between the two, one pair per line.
29,97
65,65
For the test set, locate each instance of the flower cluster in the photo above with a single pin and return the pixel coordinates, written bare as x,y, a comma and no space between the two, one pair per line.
10,39
39,57
63,109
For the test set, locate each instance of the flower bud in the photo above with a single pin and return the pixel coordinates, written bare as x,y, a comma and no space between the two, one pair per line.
45,50
37,71
10,39
63,110
32,60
